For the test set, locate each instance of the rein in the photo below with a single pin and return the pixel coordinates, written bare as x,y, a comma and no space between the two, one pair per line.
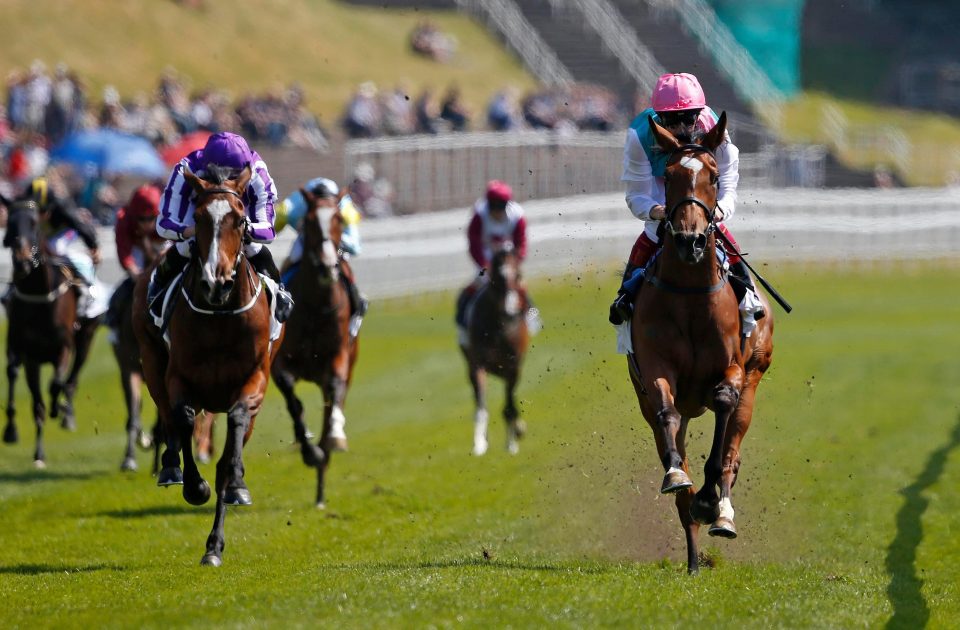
243,309
46,298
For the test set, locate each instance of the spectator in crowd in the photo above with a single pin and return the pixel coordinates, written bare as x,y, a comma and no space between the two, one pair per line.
503,112
427,113
454,111
398,115
362,119
426,39
372,196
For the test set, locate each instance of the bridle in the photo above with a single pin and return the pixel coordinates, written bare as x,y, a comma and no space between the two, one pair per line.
245,225
711,215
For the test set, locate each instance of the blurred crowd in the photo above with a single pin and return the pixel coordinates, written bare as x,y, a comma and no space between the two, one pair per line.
395,112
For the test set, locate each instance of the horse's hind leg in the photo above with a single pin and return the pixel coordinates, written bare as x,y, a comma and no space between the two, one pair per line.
83,340
329,396
311,455
516,428
10,435
39,411
481,418
131,396
58,384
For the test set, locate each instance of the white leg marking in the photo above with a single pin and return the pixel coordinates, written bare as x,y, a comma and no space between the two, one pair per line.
674,469
726,508
337,423
480,420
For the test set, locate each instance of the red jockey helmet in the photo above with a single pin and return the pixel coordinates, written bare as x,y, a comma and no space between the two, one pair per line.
145,202
499,192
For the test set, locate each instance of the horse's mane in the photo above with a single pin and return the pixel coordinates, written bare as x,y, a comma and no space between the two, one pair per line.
216,174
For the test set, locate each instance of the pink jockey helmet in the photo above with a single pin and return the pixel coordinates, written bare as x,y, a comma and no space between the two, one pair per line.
498,192
676,92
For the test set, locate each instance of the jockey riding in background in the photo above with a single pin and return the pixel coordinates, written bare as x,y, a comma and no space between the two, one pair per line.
678,104
223,152
61,226
497,221
134,232
292,211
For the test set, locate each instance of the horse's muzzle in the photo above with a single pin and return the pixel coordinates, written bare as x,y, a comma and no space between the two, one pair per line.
690,246
219,292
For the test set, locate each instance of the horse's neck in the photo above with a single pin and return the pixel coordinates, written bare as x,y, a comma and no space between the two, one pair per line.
41,278
673,270
244,289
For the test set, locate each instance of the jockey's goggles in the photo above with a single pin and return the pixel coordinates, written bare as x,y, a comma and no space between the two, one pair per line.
682,117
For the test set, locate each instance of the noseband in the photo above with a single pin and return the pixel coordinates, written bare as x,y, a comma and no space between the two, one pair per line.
711,217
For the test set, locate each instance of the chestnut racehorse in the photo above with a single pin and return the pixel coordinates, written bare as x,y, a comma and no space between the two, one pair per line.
43,326
220,350
497,340
317,346
689,355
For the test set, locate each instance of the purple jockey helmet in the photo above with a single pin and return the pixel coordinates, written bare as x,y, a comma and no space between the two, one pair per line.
227,149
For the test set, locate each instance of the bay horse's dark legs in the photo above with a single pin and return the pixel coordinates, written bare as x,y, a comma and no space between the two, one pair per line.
481,418
669,425
131,395
329,403
684,500
196,491
285,381
57,383
83,340
229,480
10,435
516,428
39,410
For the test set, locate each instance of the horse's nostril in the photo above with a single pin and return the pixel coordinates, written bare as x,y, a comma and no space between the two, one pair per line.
227,286
701,241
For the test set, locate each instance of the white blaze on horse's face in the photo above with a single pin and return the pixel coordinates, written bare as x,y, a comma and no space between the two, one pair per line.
217,209
693,165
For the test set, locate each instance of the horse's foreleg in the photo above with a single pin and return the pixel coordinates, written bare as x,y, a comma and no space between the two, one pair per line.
337,437
736,430
57,385
285,381
39,410
516,428
481,418
329,396
196,491
669,426
706,507
10,435
131,396
83,340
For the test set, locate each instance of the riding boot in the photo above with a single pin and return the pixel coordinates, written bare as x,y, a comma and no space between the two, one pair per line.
622,308
744,283
172,264
462,301
263,263
358,304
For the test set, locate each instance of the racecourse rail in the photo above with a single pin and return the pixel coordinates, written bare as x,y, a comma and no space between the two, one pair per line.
404,256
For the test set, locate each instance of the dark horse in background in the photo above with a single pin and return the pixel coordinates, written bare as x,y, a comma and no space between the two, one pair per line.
689,353
497,340
317,346
43,324
220,350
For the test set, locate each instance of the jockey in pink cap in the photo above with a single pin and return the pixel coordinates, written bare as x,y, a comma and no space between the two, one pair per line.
497,221
678,104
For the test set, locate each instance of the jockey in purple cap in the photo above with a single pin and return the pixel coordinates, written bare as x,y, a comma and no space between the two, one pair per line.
224,153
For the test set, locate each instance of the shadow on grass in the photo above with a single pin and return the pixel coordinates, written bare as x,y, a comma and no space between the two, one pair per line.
40,569
157,510
48,475
910,610
493,565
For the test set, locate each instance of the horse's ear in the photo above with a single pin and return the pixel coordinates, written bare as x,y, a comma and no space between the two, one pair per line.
665,139
714,138
244,179
195,182
309,197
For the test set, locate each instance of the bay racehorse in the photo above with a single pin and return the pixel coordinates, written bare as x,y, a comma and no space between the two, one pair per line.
220,350
689,355
43,325
496,342
318,346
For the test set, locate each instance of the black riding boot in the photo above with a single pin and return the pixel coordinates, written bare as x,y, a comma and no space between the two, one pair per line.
358,304
742,283
263,263
622,308
172,264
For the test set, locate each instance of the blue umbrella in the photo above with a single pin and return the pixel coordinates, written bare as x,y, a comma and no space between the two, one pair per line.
111,152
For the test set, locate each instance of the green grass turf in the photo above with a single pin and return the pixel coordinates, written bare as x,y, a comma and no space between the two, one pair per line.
846,504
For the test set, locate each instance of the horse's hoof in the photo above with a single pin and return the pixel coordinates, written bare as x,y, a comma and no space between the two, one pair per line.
312,455
321,505
211,560
170,477
144,440
39,464
724,528
704,512
10,435
203,458
237,496
196,494
513,447
519,428
129,465
675,480
68,422
336,444
479,448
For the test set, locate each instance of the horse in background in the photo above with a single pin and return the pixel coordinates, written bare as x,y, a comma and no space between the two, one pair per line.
220,349
43,325
318,346
688,351
496,342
